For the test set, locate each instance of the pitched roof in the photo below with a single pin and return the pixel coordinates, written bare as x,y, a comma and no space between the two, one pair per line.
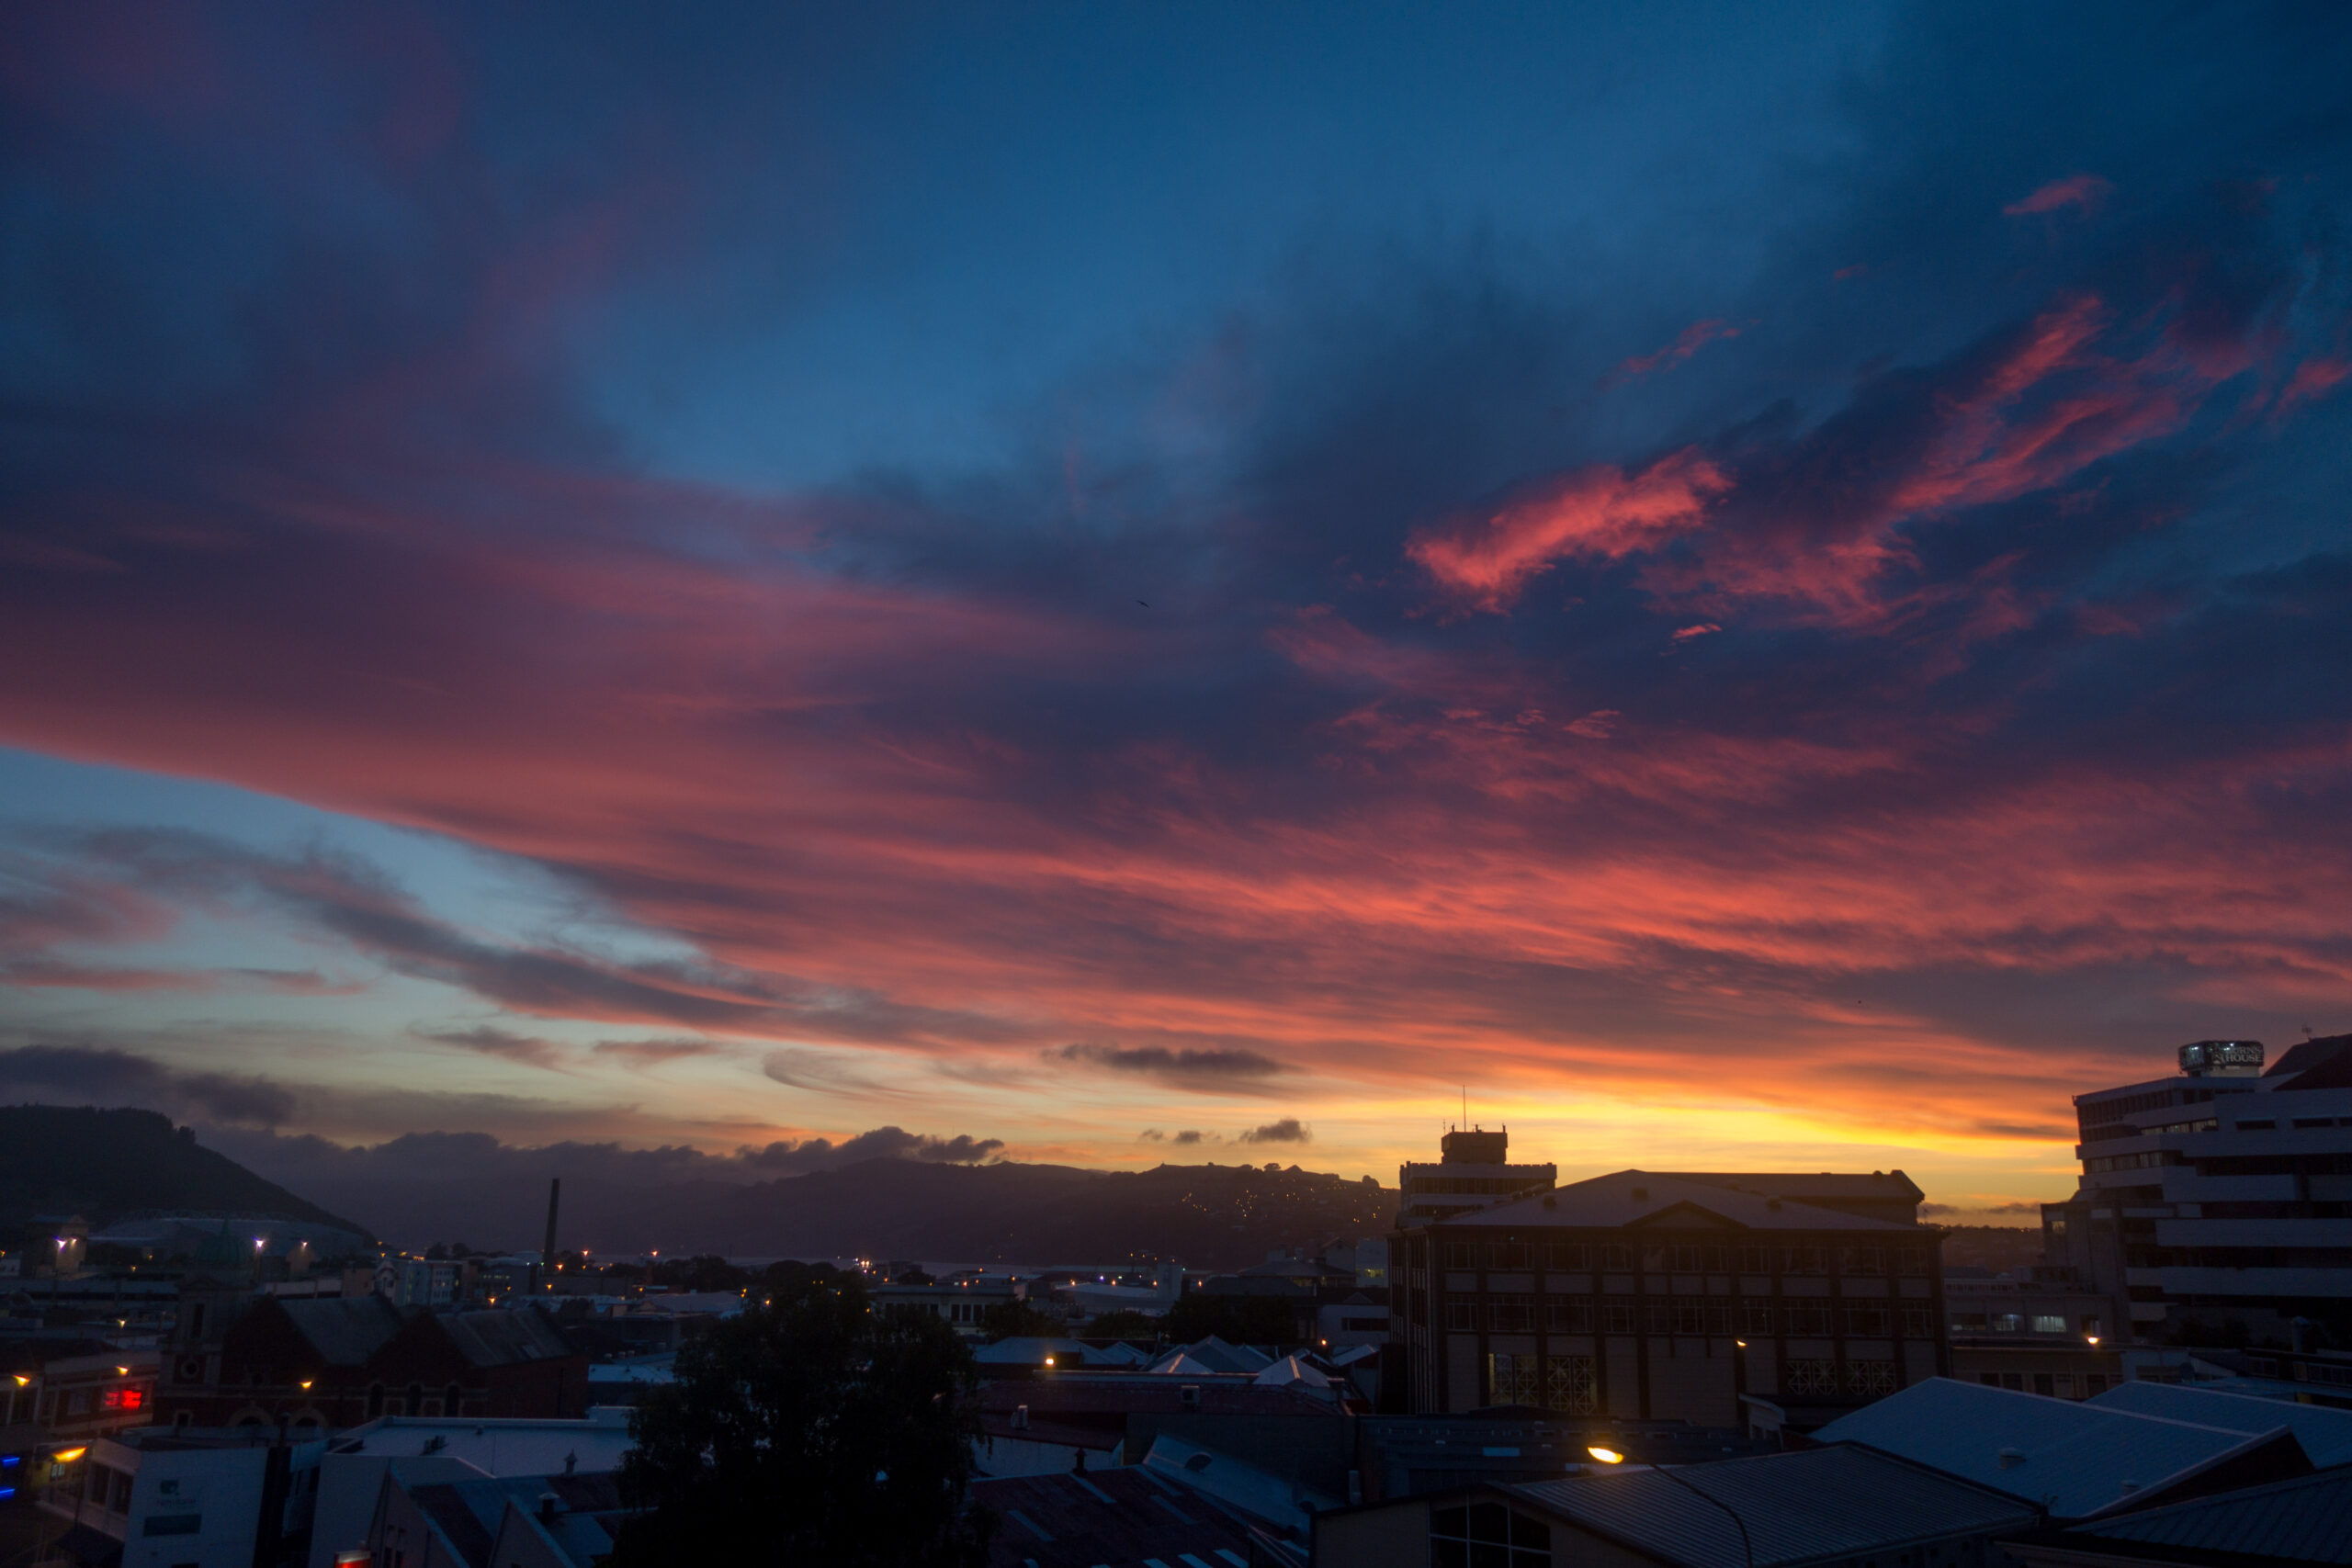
1117,1517
2324,1432
1797,1507
344,1330
1892,1185
1638,1197
2077,1460
502,1338
2301,1520
1123,1395
1214,1355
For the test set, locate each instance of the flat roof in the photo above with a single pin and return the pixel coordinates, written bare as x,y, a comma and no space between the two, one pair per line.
1633,1198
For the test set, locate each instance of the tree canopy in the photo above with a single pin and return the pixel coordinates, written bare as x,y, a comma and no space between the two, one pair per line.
816,1430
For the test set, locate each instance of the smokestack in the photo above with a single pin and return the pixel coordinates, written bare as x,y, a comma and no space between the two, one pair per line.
555,1190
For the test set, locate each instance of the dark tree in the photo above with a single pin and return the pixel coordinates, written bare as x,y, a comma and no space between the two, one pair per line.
1237,1320
707,1272
1018,1320
1125,1324
816,1430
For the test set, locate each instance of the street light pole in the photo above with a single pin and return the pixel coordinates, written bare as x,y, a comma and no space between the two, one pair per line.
1746,1548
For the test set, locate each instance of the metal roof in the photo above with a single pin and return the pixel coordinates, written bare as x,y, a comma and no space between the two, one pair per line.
2076,1459
2325,1433
344,1330
1636,1197
1798,1507
2307,1519
1114,1517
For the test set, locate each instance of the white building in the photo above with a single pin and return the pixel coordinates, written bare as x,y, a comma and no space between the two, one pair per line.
1472,1172
2218,1197
188,1498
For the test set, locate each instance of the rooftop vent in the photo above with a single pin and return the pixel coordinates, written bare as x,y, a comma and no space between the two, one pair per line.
549,1502
1189,1396
2011,1458
1019,1417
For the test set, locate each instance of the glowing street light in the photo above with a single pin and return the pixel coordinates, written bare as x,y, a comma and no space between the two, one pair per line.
1607,1456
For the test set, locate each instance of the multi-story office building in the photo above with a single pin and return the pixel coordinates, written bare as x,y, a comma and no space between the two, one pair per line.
1641,1296
1473,1172
2217,1204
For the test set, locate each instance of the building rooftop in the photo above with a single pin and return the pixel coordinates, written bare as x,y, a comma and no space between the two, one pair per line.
2079,1459
2298,1521
2325,1433
514,1446
1641,1198
1115,1519
1819,1504
344,1330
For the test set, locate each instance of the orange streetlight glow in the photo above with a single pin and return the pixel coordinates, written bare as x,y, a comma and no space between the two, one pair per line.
1607,1456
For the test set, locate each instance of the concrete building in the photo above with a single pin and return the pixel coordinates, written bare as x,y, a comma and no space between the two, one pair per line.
155,1498
2216,1206
1472,1172
963,1302
2038,1330
1641,1297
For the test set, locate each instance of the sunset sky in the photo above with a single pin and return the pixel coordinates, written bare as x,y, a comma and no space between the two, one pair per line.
1756,586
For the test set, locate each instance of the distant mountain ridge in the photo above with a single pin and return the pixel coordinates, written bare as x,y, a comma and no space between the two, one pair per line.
1209,1216
106,1165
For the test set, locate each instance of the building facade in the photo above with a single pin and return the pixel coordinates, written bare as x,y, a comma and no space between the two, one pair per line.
2216,1206
1473,1172
1638,1296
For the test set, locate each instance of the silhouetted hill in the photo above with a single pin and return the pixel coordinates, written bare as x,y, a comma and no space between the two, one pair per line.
104,1164
1210,1216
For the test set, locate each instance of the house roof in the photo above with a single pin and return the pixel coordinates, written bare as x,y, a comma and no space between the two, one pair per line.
2303,1520
2324,1432
2077,1460
1214,1355
1120,1395
345,1330
502,1338
1119,1518
1892,1185
1638,1197
1815,1504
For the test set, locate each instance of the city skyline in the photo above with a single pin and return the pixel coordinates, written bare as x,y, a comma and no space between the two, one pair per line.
1102,586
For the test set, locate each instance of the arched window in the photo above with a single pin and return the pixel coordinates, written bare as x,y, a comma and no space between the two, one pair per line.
375,1400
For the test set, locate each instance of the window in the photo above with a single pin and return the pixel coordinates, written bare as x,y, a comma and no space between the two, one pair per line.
1804,1260
1513,1380
1616,1257
1869,1321
375,1399
1617,1319
1461,1314
1872,1380
1509,1255
1569,1384
1689,1317
1911,1259
2008,1323
1567,1314
2049,1322
1807,1318
1661,1318
1756,1318
2257,1126
1860,1261
1461,1255
1753,1259
1567,1254
2094,1383
1970,1323
450,1398
1487,1535
1918,1322
1511,1313
2044,1385
172,1524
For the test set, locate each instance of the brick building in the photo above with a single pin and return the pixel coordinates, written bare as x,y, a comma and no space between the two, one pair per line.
1640,1296
335,1361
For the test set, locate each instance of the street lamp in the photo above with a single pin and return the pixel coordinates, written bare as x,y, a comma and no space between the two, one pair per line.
1610,1456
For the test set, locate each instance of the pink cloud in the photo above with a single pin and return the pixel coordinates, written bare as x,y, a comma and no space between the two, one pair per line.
2084,191
1705,629
2312,379
1600,513
1690,340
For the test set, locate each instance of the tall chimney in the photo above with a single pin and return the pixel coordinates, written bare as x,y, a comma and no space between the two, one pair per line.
546,1253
